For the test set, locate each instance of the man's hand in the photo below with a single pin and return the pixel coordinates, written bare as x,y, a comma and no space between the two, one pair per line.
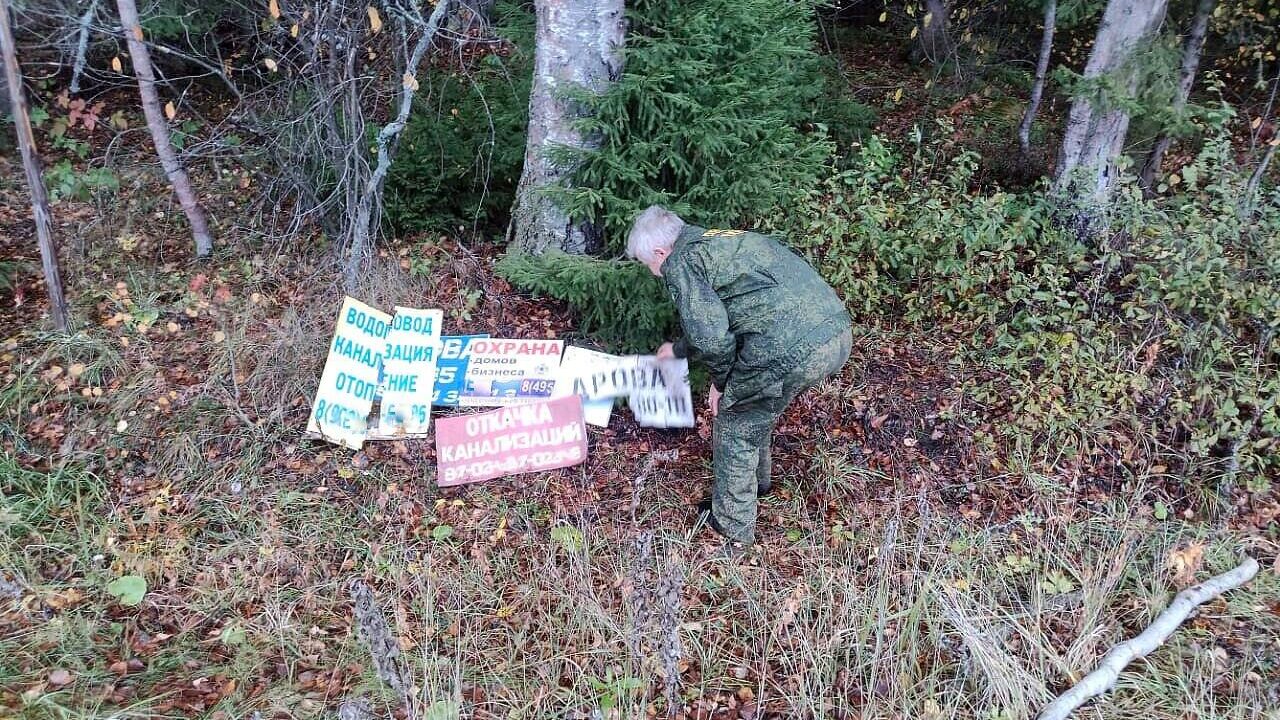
713,400
665,352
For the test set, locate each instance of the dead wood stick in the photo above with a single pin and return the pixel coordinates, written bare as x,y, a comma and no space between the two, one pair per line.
1102,679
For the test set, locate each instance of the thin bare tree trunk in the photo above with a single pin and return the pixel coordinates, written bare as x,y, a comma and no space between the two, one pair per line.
159,128
1097,126
369,206
934,41
1255,180
579,45
35,179
1192,49
82,45
1042,71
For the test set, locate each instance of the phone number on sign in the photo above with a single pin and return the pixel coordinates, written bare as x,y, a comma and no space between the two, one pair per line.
512,465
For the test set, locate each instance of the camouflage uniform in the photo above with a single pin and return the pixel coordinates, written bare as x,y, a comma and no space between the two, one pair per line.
767,327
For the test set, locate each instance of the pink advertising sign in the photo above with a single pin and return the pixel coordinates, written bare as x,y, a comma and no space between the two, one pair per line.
517,439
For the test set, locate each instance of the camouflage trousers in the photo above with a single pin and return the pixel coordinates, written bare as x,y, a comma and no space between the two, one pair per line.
743,431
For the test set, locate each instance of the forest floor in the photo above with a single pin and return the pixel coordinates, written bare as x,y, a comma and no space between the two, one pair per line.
906,568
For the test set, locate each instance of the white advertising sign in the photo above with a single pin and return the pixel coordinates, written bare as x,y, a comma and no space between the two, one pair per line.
663,399
658,390
503,371
340,412
579,364
409,373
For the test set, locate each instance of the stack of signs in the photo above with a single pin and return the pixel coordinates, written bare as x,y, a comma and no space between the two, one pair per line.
503,371
451,369
543,435
340,413
657,390
409,369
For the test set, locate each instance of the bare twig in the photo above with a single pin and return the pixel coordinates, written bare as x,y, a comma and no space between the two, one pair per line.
1102,679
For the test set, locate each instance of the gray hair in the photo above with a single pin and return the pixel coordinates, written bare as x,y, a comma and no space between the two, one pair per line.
654,229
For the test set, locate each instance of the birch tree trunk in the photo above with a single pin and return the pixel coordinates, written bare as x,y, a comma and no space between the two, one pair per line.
579,44
1192,49
934,41
1042,71
35,179
82,46
159,128
1097,125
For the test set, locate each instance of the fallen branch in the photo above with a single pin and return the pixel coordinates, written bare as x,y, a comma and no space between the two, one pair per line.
1102,679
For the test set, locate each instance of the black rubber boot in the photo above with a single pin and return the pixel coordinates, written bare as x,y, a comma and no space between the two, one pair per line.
704,508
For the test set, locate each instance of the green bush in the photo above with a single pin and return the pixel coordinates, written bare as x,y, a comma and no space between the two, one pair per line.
619,302
709,116
1159,345
460,157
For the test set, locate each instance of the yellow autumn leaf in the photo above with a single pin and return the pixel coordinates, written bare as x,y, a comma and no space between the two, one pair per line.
410,82
897,96
293,31
884,16
116,65
271,64
1256,122
914,32
911,10
170,111
375,20
273,7
928,18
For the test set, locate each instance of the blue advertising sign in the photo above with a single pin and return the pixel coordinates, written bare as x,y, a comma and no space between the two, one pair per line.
451,369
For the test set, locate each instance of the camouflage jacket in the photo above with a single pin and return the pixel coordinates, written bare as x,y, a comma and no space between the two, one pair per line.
750,308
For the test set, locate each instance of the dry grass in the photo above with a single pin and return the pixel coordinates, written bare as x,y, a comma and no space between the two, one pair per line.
558,596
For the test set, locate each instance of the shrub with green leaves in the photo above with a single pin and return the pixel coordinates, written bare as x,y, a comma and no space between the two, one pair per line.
1158,345
619,302
715,115
460,156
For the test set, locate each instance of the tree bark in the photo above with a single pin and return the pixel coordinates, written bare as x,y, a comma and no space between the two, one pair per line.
934,41
1042,71
1097,126
35,178
1192,49
579,45
159,128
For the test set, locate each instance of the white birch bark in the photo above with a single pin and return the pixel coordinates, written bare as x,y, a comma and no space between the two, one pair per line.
1042,71
1192,49
82,46
579,44
1102,679
35,178
159,128
1097,126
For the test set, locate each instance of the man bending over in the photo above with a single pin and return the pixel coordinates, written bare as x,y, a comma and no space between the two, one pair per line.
764,323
